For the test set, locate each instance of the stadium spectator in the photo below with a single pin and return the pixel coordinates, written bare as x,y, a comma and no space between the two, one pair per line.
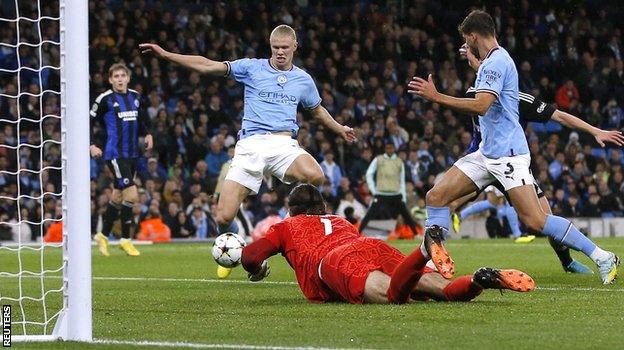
349,201
566,94
332,172
200,222
151,227
171,215
182,226
154,172
215,160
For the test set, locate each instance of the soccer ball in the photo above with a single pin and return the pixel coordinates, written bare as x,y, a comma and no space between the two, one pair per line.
228,249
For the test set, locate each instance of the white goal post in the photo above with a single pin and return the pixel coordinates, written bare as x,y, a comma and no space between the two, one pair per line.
76,178
74,320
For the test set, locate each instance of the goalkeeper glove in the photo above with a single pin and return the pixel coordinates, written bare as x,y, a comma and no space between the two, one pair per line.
265,270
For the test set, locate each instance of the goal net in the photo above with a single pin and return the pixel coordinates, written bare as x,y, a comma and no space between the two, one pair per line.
45,259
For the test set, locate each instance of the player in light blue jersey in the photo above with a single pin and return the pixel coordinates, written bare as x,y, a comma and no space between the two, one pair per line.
267,142
503,154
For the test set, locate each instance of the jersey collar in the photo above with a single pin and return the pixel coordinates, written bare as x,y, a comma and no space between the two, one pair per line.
491,51
292,66
121,93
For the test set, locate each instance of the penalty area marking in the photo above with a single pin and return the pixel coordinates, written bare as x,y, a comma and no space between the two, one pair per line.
207,346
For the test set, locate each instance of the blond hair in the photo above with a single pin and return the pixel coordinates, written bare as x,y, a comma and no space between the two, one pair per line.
118,66
284,30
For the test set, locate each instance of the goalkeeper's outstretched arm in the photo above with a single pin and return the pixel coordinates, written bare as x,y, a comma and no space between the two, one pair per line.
197,63
256,253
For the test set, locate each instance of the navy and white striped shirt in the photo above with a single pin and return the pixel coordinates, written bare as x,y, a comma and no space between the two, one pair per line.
124,121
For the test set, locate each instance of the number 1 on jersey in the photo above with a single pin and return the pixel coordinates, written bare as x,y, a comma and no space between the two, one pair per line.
327,225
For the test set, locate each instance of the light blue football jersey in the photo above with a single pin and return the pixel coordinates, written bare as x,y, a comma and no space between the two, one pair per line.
502,135
272,95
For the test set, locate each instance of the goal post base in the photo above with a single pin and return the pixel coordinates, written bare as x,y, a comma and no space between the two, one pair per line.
59,333
60,328
33,338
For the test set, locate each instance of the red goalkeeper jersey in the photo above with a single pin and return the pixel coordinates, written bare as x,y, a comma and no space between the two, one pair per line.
303,240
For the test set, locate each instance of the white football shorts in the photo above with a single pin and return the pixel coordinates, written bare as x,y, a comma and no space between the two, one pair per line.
257,155
509,171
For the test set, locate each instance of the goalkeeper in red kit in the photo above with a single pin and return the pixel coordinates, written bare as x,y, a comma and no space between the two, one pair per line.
333,262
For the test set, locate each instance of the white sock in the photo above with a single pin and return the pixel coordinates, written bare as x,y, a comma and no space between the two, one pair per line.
599,255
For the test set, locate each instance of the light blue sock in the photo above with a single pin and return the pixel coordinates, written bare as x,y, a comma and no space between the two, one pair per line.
514,223
563,231
232,227
440,216
475,208
501,212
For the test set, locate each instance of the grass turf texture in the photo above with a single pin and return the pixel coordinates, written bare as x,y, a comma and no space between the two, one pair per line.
131,301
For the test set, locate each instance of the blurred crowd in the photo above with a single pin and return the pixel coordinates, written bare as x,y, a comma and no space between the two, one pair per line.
361,55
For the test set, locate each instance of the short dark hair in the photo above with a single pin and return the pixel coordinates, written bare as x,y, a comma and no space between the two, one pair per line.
306,199
479,22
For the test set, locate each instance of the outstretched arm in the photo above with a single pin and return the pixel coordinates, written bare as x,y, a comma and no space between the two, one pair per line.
255,255
197,63
254,259
602,136
426,88
323,116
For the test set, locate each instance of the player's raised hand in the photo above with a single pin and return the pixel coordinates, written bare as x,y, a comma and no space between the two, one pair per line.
603,136
421,87
265,270
95,151
348,134
466,53
149,143
154,49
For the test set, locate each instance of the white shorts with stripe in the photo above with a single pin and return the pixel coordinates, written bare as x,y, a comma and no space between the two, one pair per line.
509,171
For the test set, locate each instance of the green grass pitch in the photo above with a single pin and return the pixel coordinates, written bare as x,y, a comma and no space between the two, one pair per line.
170,295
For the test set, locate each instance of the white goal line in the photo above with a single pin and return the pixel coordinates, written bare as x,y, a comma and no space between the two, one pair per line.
170,344
210,346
